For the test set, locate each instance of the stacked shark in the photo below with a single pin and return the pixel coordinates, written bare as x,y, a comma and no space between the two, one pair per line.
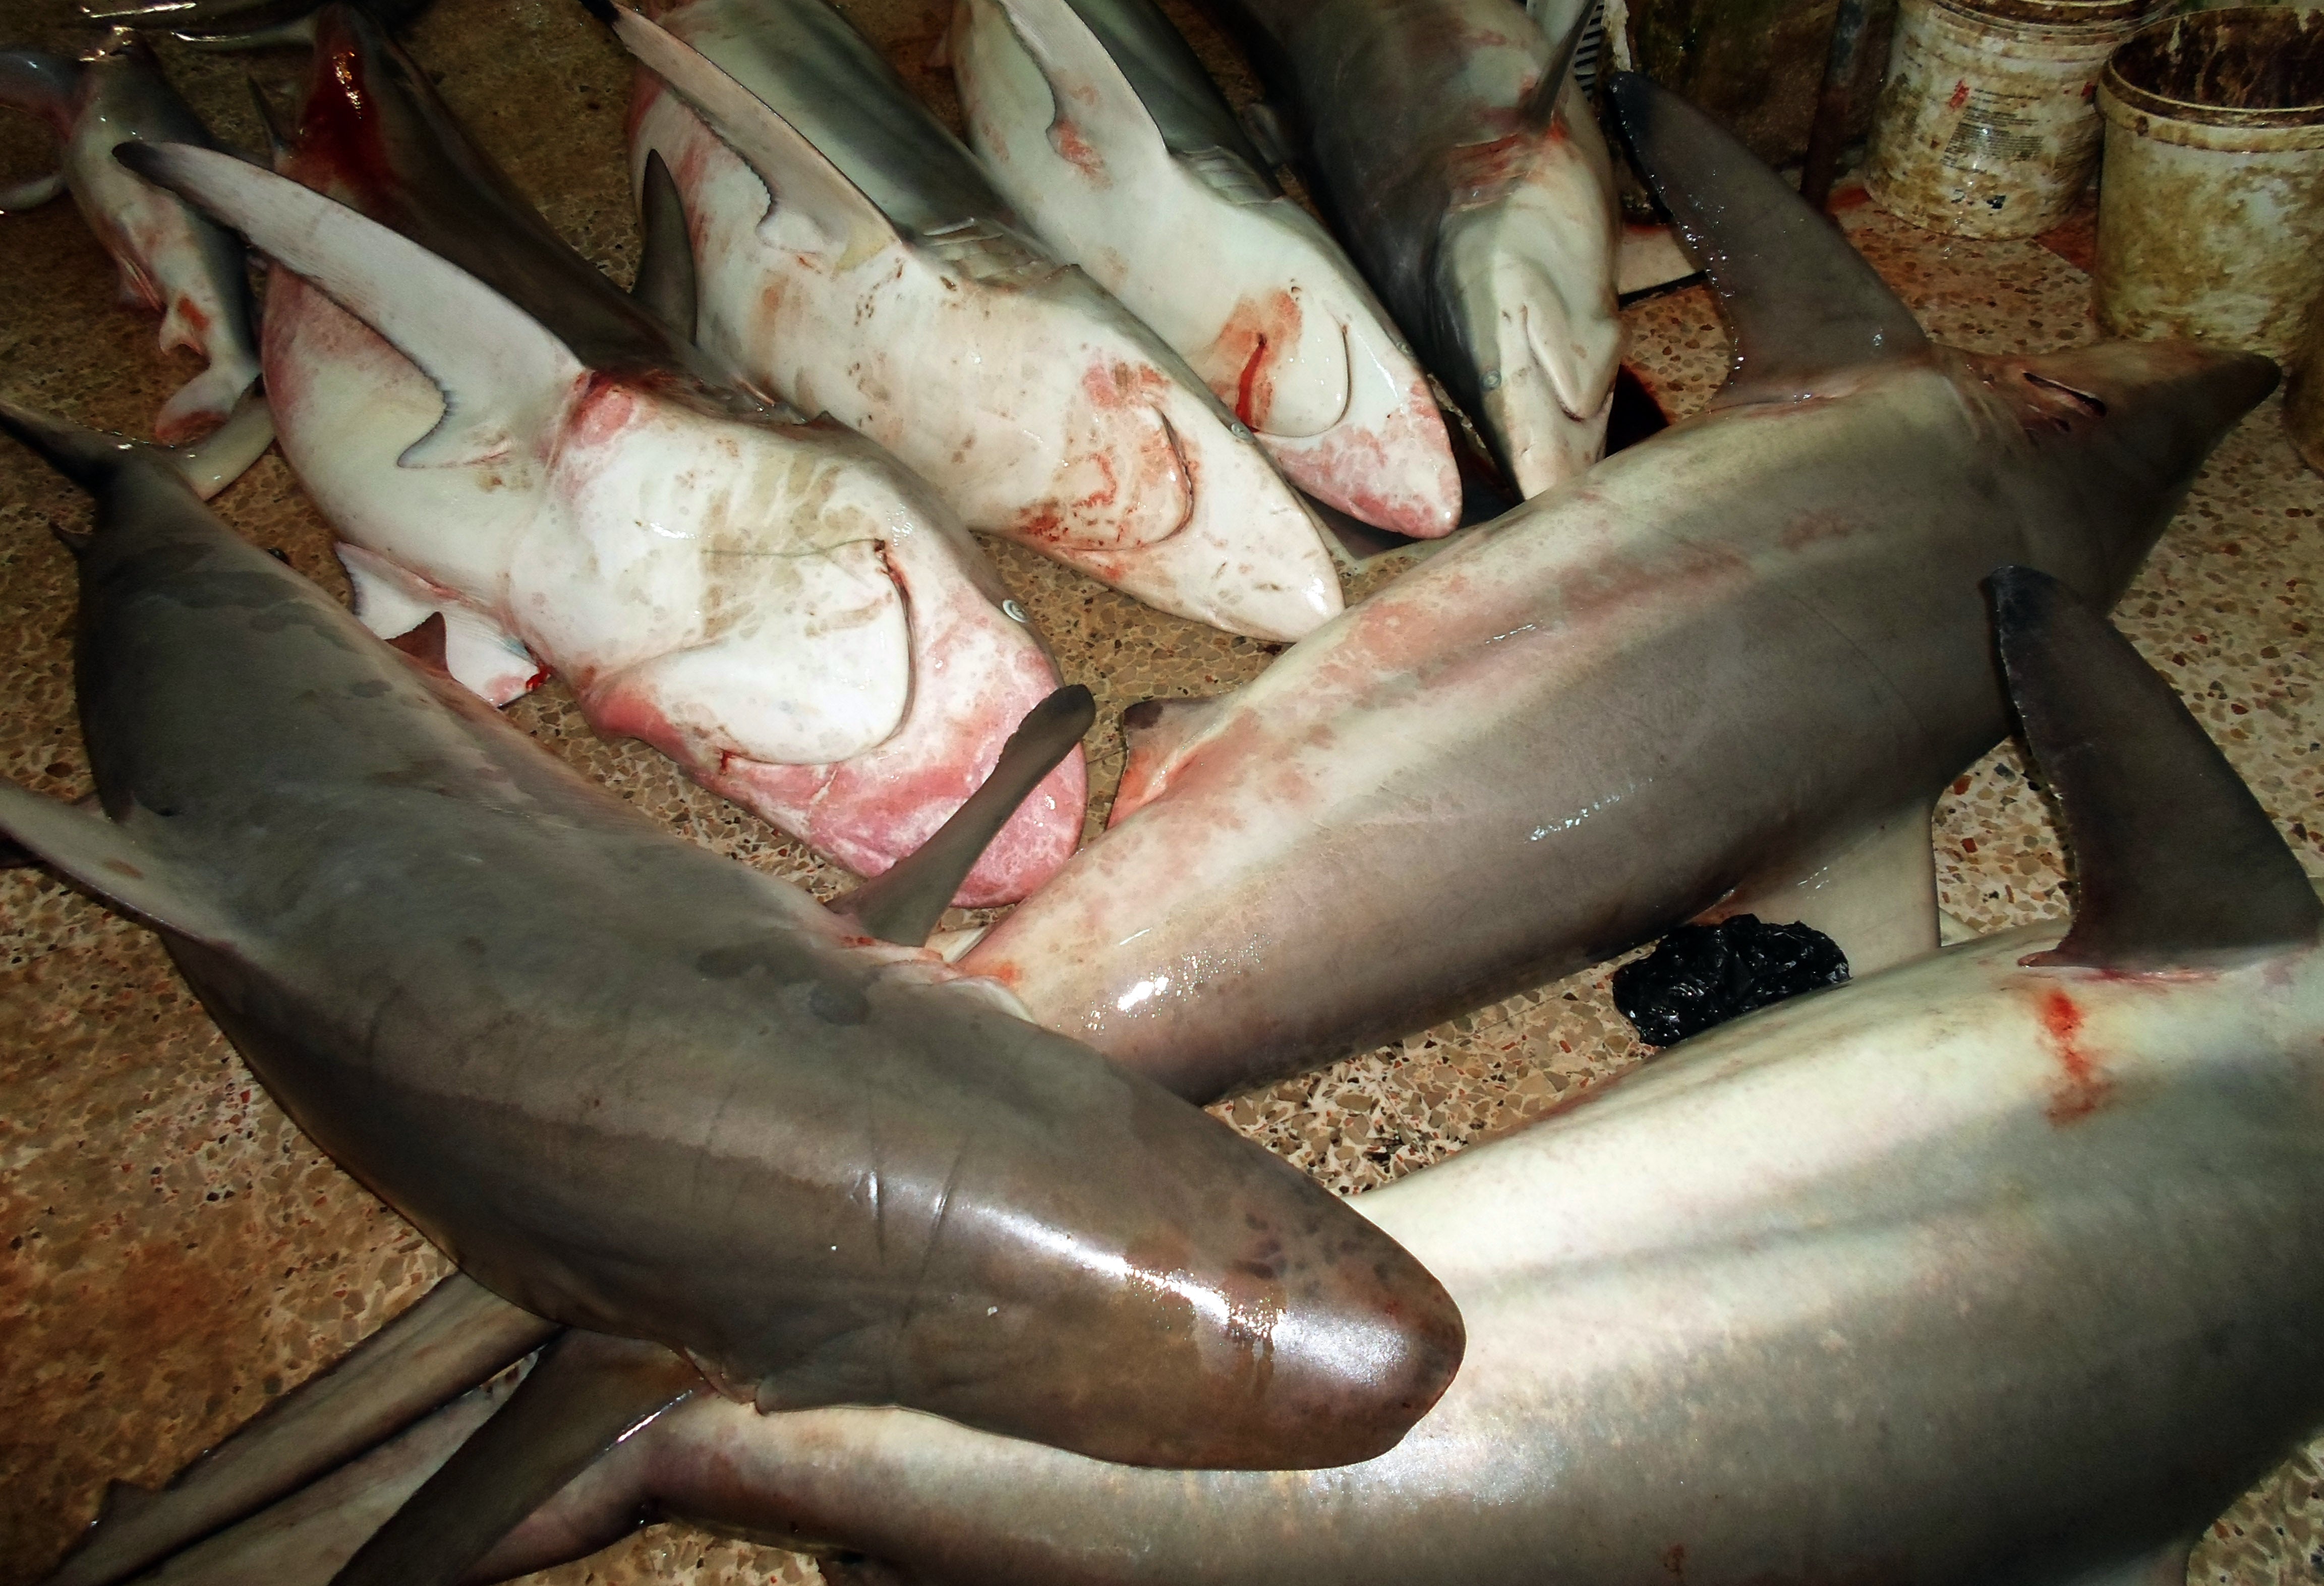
1729,670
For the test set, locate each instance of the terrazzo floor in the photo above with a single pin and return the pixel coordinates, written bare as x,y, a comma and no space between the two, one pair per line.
178,1253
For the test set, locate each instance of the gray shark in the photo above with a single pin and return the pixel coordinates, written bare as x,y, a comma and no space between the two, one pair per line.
1731,668
1998,1266
729,1139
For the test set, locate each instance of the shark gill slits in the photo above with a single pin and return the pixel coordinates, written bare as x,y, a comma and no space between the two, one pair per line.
1700,976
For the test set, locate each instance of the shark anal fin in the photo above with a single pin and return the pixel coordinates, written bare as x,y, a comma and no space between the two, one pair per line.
2175,862
1800,300
803,182
455,1336
904,904
588,1392
665,287
99,854
506,380
1877,897
1153,730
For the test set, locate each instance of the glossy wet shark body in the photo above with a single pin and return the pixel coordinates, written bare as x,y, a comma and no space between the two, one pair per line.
893,288
780,608
640,1090
1100,127
1731,668
1998,1266
1453,153
172,259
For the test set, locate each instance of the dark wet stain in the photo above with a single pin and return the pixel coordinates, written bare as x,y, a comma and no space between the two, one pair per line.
836,1002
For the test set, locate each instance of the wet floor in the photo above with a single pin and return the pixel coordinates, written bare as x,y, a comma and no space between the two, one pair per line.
177,1252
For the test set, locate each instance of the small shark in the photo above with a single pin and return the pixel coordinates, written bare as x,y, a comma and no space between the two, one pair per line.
1451,150
172,259
1728,670
855,259
1099,124
731,1141
2000,1266
504,437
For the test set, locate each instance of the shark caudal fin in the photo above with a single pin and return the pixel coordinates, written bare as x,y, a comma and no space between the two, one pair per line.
587,1393
506,379
457,1335
1800,301
2175,862
666,285
809,190
904,904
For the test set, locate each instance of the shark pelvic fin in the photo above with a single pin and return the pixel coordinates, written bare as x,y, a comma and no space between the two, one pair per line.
904,904
665,287
807,186
455,1336
1153,730
1097,108
2175,862
1799,300
506,380
1875,897
97,854
1542,103
587,1393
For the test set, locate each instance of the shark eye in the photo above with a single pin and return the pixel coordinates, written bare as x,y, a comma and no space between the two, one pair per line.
2093,406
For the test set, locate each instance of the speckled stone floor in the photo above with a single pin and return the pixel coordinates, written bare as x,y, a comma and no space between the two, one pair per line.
178,1253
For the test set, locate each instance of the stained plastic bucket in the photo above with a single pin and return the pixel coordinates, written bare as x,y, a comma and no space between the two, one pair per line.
1984,126
2211,216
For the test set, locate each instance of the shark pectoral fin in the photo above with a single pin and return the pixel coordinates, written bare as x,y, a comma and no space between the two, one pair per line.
30,193
904,904
99,854
1876,898
506,380
223,455
1153,730
795,170
455,1337
587,1393
88,456
1097,110
1800,300
665,287
2175,862
40,84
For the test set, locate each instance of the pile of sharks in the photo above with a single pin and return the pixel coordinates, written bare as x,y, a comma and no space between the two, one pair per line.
800,1221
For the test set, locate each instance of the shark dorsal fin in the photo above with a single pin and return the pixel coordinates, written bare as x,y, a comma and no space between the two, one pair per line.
1799,300
665,287
904,904
101,857
1542,103
807,186
506,380
2175,862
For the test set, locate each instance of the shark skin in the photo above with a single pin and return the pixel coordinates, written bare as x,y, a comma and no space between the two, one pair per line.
893,288
1463,169
637,1089
174,260
804,627
1732,667
1157,194
1988,1267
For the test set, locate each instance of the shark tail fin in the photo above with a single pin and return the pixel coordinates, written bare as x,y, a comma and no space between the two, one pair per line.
589,1392
1800,300
904,904
454,1337
2176,864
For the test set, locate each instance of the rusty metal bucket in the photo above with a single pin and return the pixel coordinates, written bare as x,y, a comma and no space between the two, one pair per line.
2211,216
1985,126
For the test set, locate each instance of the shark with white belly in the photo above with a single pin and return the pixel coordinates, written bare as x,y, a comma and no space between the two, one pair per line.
1731,668
1099,124
503,436
857,260
1999,1266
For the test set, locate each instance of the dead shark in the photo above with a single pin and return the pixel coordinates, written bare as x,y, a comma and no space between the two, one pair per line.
1450,149
1099,124
857,260
172,259
2001,1265
1729,670
714,1130
503,436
